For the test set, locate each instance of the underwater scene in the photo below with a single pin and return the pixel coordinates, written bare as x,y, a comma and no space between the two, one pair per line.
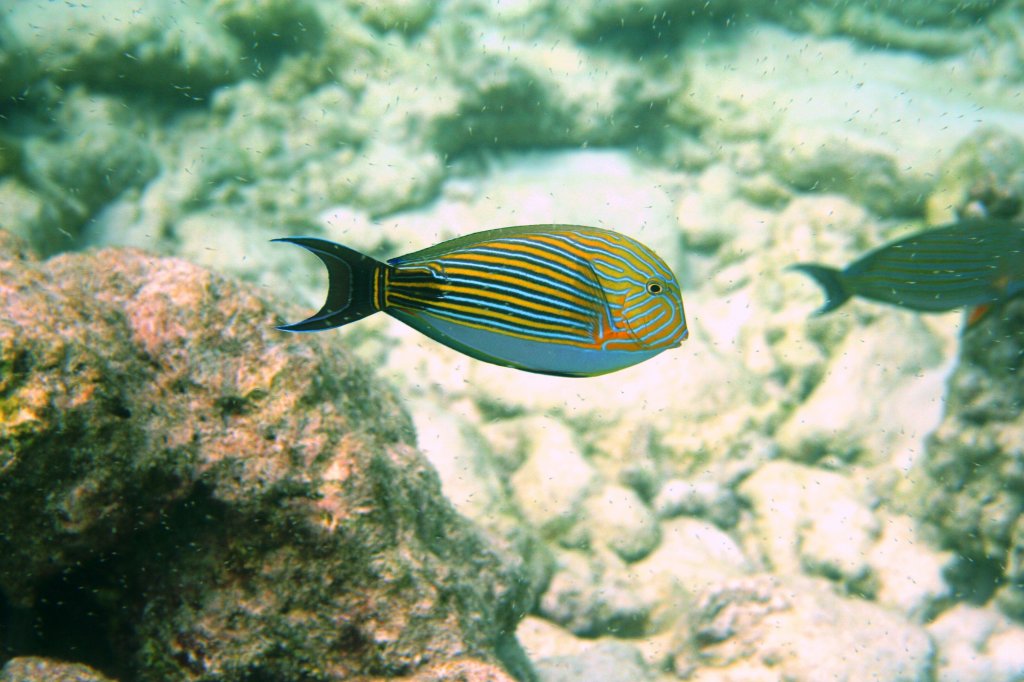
512,340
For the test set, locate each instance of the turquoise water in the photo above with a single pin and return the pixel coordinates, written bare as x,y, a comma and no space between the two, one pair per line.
779,491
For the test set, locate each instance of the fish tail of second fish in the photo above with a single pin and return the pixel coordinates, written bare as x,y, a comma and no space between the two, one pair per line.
355,285
830,279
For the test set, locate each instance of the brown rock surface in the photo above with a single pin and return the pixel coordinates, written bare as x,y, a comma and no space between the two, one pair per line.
187,493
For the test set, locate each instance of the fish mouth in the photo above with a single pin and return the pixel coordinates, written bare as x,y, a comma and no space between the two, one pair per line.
663,343
683,335
673,342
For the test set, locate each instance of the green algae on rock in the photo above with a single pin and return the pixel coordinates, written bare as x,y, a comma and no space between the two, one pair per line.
181,52
37,669
224,502
974,464
983,174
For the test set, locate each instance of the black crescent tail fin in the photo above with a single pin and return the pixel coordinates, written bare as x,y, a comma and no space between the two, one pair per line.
830,279
356,285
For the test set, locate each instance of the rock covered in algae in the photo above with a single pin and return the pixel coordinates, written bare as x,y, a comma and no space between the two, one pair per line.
36,669
208,499
155,49
975,461
983,172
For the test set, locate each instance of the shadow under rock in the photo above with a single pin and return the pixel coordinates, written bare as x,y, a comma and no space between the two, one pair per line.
91,613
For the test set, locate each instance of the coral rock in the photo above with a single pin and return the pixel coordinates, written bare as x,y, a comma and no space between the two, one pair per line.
211,499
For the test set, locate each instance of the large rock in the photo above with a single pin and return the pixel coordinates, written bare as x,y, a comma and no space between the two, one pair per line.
763,628
810,520
618,520
178,53
860,167
694,556
100,153
606,661
16,68
206,498
873,142
977,644
911,374
526,89
909,572
983,172
974,467
593,596
553,483
36,669
933,28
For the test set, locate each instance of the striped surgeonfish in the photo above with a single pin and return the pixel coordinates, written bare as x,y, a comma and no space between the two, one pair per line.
971,263
553,299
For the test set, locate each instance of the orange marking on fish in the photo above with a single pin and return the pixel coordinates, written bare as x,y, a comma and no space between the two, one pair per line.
977,313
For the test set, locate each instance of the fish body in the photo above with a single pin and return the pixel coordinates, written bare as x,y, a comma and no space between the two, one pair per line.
966,264
563,300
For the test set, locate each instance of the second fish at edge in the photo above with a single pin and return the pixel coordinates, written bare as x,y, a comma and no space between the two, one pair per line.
972,263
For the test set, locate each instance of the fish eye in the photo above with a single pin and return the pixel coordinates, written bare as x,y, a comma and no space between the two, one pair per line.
654,287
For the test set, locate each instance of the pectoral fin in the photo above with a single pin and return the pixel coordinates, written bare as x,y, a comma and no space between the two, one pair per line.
975,314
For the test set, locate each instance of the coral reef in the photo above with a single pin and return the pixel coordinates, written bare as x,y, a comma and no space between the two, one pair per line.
185,493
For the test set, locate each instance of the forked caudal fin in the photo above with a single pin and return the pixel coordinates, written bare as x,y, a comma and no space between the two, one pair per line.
355,285
830,280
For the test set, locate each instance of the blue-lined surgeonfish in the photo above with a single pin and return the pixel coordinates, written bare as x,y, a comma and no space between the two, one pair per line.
971,264
564,300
